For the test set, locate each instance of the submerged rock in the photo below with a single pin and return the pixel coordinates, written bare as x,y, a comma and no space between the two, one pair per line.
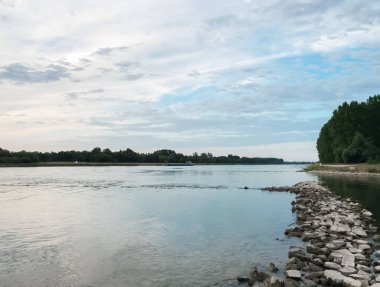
272,268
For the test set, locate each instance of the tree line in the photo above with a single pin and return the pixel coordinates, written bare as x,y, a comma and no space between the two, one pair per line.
127,156
352,134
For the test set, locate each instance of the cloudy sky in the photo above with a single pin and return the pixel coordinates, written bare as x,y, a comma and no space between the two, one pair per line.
248,77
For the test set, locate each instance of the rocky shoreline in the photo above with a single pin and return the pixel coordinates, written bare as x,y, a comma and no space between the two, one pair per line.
341,243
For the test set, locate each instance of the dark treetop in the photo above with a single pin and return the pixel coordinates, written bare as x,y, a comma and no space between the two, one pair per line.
352,135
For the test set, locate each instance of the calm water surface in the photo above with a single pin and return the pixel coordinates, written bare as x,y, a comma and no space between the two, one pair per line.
141,226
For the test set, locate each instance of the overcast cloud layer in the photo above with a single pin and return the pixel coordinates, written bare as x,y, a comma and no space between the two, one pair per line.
254,78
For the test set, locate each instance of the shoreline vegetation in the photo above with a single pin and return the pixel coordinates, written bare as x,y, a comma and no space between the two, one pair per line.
353,169
342,243
352,134
128,157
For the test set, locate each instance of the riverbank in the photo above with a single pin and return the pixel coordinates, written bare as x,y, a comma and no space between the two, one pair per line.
361,168
341,242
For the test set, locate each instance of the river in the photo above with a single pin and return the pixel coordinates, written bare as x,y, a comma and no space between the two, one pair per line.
142,226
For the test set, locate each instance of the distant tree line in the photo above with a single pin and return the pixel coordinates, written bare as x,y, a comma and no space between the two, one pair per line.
352,135
127,156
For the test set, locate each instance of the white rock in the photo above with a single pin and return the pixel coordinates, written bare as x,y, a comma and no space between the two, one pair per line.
377,269
364,274
377,253
364,246
334,276
378,278
359,277
338,243
355,250
359,256
347,270
360,241
348,260
359,231
363,267
337,278
332,265
366,213
340,228
294,274
350,282
375,285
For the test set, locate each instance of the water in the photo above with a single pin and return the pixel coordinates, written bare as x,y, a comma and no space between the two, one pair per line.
363,188
141,226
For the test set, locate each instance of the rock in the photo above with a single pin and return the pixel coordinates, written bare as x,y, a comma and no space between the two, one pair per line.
308,283
313,275
359,256
308,235
376,269
350,282
361,241
258,275
355,250
364,274
275,282
334,276
332,265
359,277
295,263
347,270
340,228
291,283
348,260
298,252
317,261
315,268
363,247
375,285
378,279
367,213
293,274
339,243
338,279
363,267
377,253
272,268
242,279
359,231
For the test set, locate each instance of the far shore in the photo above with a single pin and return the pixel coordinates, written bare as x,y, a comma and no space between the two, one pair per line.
352,169
69,164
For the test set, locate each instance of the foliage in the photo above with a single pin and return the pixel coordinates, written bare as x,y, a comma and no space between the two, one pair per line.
352,135
127,156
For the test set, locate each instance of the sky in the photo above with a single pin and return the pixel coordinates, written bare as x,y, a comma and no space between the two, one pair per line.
246,77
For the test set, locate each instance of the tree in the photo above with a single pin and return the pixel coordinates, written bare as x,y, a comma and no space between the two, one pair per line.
352,134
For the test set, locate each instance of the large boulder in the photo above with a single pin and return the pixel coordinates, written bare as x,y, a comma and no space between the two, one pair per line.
298,252
336,278
293,274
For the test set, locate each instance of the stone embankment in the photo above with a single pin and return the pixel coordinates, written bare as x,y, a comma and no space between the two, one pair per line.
340,238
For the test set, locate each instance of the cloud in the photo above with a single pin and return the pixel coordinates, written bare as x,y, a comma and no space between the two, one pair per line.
78,95
230,74
108,51
22,74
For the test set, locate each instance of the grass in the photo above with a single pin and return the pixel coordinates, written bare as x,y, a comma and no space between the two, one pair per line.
351,168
